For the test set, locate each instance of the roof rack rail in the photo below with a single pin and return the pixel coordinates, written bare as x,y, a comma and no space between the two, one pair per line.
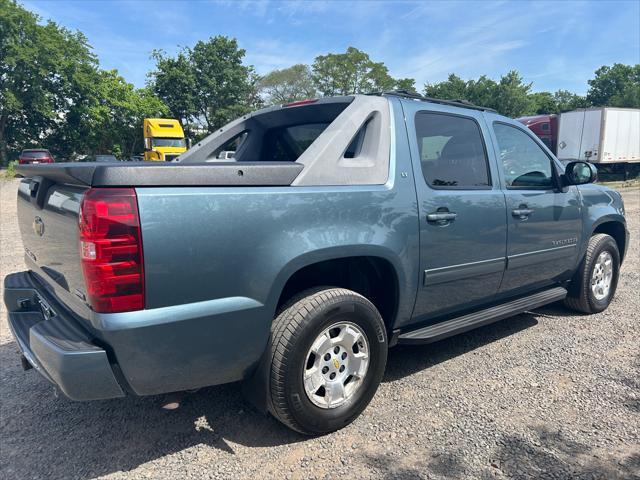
417,96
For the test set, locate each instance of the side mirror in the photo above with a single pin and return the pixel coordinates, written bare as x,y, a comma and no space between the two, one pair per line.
579,173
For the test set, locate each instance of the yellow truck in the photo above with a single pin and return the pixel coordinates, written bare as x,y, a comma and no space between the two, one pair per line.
163,139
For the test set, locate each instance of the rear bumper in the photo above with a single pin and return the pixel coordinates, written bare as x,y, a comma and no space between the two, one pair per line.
91,356
57,347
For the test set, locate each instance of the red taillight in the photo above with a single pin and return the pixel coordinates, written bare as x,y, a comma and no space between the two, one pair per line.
300,103
111,250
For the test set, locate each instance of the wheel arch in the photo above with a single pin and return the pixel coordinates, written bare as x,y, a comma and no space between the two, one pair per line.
372,272
616,228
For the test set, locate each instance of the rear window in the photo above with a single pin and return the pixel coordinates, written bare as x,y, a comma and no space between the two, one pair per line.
287,144
35,154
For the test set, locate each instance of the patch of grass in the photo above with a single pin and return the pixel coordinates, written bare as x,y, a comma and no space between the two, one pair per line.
10,172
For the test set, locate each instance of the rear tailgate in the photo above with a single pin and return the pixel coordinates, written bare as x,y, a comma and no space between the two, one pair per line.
48,219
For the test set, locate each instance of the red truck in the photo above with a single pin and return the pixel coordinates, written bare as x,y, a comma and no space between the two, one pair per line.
545,127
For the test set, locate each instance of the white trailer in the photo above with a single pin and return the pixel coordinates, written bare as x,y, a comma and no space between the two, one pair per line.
604,135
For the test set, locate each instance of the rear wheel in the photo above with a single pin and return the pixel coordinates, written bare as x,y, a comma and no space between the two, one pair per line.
328,354
594,284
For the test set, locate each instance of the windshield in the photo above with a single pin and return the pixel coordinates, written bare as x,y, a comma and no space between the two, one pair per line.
168,142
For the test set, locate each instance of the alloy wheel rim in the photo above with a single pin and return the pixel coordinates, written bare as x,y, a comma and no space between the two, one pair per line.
602,276
336,365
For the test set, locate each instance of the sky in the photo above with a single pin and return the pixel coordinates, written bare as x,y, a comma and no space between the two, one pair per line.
554,44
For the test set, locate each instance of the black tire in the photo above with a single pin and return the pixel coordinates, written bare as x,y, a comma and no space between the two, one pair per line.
580,297
292,334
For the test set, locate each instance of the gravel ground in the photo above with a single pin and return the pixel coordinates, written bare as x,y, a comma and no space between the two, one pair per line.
547,394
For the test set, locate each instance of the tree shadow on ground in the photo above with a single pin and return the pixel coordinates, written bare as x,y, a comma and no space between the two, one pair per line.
443,465
547,455
632,382
553,455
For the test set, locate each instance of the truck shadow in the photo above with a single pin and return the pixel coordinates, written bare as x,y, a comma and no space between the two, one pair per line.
47,437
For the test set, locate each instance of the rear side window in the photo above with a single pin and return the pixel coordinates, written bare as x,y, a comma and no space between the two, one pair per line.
230,147
287,144
452,151
524,162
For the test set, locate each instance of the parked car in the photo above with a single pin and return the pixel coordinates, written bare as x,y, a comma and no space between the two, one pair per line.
343,226
35,155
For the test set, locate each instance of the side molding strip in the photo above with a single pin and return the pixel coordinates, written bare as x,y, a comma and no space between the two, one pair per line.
538,256
464,270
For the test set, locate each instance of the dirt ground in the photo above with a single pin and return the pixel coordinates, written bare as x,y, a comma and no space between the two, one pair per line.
546,394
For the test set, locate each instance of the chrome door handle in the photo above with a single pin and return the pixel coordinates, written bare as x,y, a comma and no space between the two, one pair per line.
441,217
522,213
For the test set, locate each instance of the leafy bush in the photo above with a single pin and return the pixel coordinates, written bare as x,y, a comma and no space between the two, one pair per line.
10,172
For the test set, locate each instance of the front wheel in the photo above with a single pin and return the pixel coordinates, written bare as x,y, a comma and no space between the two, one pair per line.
328,352
594,284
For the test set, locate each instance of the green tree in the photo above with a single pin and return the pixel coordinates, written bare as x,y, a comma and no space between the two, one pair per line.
45,73
174,82
566,100
116,115
287,85
512,95
480,92
207,85
453,88
350,72
543,103
483,92
407,84
509,96
615,86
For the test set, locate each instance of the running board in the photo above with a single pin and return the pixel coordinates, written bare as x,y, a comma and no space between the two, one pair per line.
448,328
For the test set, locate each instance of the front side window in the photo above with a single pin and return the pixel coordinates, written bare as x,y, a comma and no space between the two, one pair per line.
452,152
524,163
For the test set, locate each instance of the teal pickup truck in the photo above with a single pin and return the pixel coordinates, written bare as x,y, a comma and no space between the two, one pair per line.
339,228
